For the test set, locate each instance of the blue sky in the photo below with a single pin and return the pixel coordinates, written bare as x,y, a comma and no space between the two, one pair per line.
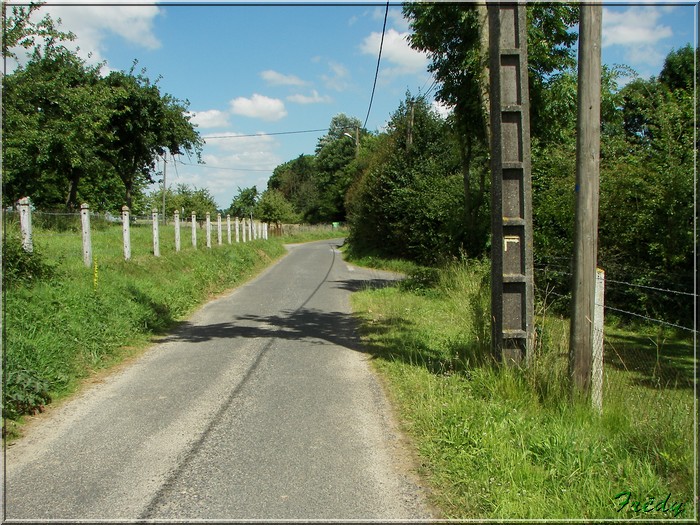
258,70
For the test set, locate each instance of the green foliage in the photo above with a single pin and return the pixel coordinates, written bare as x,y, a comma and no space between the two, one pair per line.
19,31
23,393
143,125
296,180
408,203
243,204
274,208
71,135
185,199
54,117
501,443
20,266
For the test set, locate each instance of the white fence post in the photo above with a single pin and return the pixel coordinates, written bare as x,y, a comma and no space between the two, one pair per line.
250,229
194,230
126,232
598,338
265,231
156,237
177,230
25,222
228,228
218,228
208,230
238,239
243,228
87,241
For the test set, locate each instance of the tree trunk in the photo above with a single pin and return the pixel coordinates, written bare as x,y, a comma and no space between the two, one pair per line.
483,14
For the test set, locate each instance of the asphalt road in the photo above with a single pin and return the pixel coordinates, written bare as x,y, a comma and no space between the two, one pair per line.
260,406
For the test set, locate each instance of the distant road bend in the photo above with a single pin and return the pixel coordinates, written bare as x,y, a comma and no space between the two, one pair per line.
260,406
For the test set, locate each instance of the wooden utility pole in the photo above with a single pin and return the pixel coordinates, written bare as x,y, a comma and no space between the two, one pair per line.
512,285
587,186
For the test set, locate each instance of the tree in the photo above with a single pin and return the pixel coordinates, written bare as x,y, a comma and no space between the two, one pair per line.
185,199
272,207
142,125
54,116
296,180
456,37
408,202
334,152
20,32
243,204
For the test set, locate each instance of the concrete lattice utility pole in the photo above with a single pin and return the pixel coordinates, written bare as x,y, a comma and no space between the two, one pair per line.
512,282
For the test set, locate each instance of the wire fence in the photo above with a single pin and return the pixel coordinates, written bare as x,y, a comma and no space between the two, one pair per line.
560,270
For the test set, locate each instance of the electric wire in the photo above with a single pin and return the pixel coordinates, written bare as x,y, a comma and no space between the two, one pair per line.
265,134
379,59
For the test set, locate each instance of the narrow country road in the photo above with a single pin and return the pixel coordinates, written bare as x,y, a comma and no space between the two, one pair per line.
261,406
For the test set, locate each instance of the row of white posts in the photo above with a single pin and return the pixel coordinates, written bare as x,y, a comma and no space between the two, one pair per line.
242,227
245,230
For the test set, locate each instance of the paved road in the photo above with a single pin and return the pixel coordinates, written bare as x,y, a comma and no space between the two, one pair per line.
261,406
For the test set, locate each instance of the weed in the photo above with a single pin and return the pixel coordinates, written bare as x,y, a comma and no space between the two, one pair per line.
507,443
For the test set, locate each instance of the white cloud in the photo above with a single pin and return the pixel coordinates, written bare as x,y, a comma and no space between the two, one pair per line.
259,106
314,98
212,118
637,31
397,51
93,23
443,110
231,160
636,25
278,79
338,80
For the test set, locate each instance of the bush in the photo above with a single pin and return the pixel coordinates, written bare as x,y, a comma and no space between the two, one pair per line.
24,393
21,266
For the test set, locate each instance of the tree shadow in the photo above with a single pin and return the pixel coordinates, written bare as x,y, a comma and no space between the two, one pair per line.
156,317
670,365
312,326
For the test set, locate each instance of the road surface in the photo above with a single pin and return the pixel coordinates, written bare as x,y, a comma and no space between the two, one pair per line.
261,406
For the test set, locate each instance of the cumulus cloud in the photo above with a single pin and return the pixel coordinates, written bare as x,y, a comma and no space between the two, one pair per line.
93,23
637,30
314,98
212,118
396,51
274,78
338,80
259,106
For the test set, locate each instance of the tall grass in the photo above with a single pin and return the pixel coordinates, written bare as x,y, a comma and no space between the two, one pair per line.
506,443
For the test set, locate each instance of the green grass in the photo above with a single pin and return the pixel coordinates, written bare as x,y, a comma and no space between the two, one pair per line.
64,321
499,443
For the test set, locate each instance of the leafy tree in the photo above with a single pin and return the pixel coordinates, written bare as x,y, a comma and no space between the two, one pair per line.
19,31
334,153
185,199
296,180
408,203
456,37
243,204
142,125
272,207
54,116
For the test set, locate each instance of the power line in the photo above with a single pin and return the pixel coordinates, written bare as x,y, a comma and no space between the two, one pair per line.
379,59
266,134
221,167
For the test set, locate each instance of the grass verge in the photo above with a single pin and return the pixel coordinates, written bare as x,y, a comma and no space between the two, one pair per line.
501,443
64,322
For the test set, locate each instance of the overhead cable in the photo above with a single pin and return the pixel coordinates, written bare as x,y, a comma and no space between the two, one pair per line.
379,59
